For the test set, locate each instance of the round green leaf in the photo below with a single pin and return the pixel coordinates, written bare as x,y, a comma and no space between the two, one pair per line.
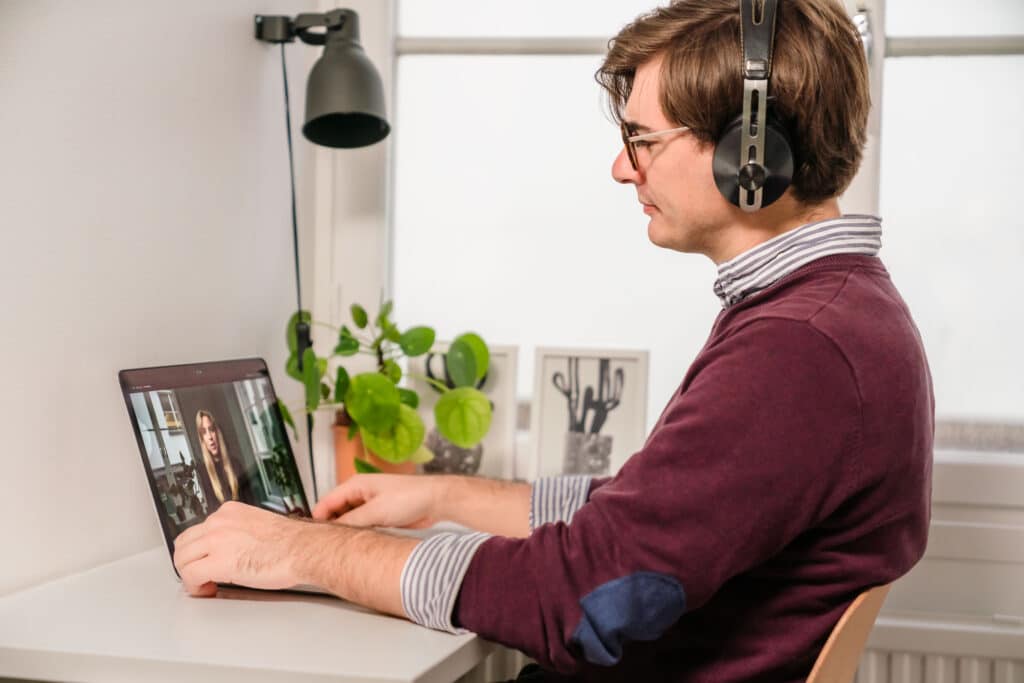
416,341
385,311
363,467
290,333
461,364
311,375
463,416
341,384
286,415
348,345
422,455
359,316
325,391
409,397
391,332
372,401
392,371
399,442
292,367
481,354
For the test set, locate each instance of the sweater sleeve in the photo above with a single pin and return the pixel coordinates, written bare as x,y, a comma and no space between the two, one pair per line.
757,446
556,499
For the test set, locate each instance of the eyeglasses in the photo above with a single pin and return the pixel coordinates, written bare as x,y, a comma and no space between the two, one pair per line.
630,141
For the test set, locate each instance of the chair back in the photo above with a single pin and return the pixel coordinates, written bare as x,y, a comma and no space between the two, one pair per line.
838,660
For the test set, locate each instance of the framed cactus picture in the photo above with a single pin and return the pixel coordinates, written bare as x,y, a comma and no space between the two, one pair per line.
589,410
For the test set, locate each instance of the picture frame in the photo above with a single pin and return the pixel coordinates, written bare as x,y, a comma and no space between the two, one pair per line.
498,457
589,410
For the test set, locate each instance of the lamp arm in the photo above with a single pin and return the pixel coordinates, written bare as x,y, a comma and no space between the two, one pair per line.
283,29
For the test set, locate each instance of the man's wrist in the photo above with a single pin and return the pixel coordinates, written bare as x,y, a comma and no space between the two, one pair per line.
315,550
448,495
359,565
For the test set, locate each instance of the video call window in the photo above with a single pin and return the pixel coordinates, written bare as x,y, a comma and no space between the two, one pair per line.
209,444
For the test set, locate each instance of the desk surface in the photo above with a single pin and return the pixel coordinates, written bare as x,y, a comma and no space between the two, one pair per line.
131,621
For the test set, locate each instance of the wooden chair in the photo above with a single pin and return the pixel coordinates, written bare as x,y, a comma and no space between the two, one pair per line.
838,660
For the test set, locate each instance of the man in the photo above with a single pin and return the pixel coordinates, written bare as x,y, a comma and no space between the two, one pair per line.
789,472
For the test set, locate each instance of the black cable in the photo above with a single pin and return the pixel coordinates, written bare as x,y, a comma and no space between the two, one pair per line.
291,170
302,327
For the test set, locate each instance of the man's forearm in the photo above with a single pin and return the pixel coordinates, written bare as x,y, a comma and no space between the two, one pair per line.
496,507
360,565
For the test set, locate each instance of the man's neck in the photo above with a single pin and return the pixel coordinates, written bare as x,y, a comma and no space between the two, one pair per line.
754,229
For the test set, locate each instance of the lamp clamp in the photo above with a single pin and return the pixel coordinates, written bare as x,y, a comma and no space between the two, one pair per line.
273,28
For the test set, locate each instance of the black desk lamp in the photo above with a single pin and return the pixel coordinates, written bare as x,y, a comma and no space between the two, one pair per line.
344,109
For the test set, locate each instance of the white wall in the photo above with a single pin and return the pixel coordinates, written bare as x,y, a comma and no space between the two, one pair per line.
145,220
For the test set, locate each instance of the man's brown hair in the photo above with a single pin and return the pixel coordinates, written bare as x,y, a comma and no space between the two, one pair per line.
819,82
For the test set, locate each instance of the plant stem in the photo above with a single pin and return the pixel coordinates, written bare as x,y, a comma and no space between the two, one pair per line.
327,325
433,382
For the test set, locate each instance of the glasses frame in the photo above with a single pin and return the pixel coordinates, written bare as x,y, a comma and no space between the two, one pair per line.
629,140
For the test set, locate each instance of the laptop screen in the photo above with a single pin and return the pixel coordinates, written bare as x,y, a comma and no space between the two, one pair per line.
210,433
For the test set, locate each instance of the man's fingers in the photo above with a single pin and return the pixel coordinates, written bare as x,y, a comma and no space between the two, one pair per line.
369,514
207,590
190,535
343,498
199,577
187,552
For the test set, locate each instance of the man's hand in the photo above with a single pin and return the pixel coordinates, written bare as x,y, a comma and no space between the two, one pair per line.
239,544
415,501
392,500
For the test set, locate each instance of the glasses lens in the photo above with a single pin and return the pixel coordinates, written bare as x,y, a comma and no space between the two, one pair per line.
630,150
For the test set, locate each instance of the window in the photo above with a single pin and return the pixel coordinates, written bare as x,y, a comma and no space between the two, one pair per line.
953,238
533,18
170,458
168,429
256,404
503,186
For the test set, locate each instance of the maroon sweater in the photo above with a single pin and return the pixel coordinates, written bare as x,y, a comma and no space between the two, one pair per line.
790,471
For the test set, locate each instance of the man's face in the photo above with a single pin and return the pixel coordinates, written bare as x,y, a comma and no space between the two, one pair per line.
674,181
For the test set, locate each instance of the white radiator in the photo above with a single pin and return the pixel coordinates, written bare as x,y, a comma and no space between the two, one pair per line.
879,666
876,666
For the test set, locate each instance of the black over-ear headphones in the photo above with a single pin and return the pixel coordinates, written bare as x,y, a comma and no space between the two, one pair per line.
753,162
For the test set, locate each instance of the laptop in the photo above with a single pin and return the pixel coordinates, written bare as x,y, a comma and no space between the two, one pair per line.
209,433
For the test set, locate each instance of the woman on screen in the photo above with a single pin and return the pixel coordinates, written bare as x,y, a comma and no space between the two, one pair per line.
221,471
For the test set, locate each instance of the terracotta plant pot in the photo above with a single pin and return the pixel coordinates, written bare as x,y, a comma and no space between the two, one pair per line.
346,450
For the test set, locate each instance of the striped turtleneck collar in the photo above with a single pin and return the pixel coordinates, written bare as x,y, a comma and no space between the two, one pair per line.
763,265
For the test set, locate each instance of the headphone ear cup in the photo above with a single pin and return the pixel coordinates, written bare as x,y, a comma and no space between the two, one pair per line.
778,154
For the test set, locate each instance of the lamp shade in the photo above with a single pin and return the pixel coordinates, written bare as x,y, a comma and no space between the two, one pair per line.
344,94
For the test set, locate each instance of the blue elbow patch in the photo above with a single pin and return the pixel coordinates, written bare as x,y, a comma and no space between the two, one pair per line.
640,606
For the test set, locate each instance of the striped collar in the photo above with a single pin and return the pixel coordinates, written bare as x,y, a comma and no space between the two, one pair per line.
763,265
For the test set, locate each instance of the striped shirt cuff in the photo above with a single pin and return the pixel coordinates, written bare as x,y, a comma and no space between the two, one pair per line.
433,575
556,499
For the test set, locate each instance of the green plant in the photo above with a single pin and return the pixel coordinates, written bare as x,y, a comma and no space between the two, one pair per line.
373,405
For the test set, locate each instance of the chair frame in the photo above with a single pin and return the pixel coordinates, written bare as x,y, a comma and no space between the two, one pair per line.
838,660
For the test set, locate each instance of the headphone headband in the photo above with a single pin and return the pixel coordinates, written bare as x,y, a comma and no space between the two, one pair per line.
757,34
757,37
753,162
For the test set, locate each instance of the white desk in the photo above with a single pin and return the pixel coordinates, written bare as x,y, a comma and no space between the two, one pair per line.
131,621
